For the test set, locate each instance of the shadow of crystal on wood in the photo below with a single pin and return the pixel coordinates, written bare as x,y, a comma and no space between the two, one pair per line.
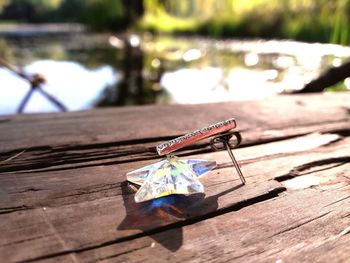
169,212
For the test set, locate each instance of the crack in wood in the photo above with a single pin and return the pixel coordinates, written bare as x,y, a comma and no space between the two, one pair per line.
273,193
31,189
7,210
60,157
5,120
41,169
346,215
300,224
104,189
340,200
95,189
297,171
22,241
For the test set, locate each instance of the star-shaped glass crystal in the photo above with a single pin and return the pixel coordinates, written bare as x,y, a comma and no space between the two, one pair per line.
169,176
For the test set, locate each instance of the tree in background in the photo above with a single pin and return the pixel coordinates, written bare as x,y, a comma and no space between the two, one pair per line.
307,20
29,10
97,14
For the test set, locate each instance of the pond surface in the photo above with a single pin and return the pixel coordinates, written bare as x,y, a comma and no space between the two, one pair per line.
85,71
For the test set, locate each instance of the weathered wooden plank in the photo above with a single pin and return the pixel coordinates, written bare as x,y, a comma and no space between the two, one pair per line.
295,227
65,199
147,122
90,223
69,217
79,156
43,187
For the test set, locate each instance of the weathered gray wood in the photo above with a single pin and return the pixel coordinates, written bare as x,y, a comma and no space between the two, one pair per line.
67,200
296,227
301,224
267,118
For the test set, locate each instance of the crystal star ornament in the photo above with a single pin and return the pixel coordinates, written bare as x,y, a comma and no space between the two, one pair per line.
169,176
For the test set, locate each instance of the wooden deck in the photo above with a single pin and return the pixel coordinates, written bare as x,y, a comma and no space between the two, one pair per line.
63,195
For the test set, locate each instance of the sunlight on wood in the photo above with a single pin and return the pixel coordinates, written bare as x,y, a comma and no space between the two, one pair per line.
306,181
300,144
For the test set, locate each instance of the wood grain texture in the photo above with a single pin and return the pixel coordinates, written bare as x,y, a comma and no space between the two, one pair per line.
269,117
63,195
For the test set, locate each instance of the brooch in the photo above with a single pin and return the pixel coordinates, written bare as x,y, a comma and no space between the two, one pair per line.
174,175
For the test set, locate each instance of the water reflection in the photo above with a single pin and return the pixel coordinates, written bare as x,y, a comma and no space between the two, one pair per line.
84,71
72,83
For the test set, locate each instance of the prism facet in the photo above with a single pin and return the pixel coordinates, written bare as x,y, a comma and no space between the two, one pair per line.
140,175
199,167
170,176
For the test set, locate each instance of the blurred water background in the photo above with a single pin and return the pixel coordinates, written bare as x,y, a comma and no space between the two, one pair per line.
162,52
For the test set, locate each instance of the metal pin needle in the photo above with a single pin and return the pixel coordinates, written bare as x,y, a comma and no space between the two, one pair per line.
235,163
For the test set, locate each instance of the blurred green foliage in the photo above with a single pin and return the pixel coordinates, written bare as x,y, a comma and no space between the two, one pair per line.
98,14
29,10
307,20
